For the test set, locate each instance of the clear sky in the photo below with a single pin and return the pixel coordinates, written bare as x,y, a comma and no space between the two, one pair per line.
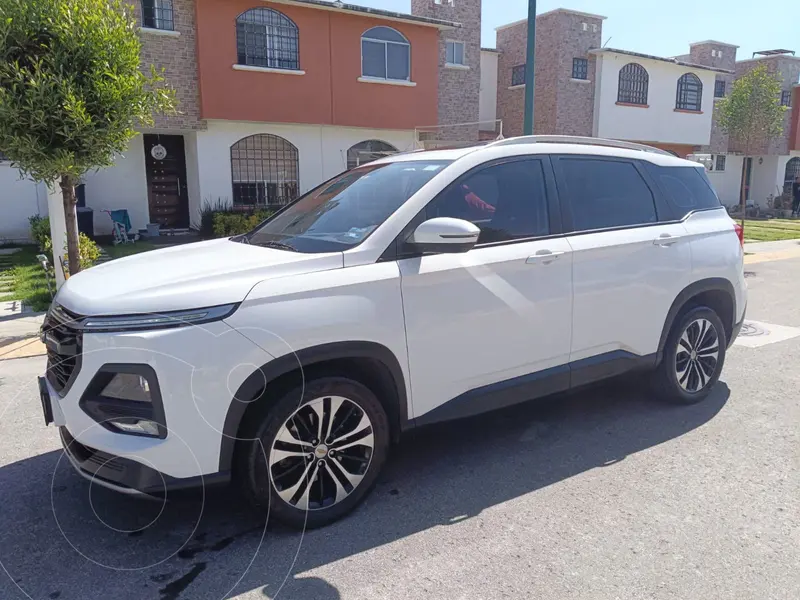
659,27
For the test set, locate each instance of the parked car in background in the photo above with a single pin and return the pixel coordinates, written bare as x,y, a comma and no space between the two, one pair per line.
419,288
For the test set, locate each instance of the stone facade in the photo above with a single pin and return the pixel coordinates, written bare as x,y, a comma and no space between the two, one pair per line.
562,105
787,69
720,56
177,55
459,88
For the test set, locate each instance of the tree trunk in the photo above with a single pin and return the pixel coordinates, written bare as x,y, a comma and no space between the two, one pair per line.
73,249
742,191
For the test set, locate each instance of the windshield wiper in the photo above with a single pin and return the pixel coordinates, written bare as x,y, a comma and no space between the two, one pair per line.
277,246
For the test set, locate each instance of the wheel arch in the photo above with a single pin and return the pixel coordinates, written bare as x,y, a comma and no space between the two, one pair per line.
364,360
716,293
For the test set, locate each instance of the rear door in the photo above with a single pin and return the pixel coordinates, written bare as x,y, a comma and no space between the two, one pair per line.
630,261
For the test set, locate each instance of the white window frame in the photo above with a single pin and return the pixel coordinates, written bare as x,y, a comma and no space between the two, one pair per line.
455,43
386,43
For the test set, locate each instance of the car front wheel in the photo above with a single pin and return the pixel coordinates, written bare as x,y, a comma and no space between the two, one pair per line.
318,455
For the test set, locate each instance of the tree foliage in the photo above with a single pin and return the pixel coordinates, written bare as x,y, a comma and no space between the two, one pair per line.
71,91
752,112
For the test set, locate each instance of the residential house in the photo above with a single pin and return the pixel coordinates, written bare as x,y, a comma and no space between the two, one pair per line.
275,97
587,90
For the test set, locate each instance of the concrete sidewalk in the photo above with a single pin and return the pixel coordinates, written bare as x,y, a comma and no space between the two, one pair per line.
19,332
756,252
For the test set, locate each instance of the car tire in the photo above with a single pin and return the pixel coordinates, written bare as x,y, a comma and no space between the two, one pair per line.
694,356
308,483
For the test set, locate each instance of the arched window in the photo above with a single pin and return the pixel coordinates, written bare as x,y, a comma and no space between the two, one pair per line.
264,171
267,38
690,92
157,14
633,84
365,152
792,172
385,54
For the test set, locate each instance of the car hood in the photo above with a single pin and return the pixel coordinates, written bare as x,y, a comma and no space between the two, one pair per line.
181,277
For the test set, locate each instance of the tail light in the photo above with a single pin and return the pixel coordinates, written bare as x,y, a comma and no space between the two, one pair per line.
739,233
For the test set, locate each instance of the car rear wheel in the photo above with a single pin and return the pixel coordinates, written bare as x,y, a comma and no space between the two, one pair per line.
693,357
318,455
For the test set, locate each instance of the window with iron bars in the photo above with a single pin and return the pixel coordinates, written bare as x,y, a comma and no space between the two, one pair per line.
690,93
786,98
158,14
267,38
518,75
720,163
719,88
265,171
580,68
634,83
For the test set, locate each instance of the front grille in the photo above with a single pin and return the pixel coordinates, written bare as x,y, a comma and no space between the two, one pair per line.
63,341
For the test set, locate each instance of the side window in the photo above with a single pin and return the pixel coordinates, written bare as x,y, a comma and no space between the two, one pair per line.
686,188
507,201
605,193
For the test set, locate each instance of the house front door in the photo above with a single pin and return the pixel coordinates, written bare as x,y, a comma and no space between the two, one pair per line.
165,165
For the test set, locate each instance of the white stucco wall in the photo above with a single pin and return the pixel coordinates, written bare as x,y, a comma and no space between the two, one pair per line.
659,122
488,93
727,182
19,200
322,151
193,178
122,186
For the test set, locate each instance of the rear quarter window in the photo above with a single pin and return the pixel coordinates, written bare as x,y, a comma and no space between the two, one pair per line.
685,188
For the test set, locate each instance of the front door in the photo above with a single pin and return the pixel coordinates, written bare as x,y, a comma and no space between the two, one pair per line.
478,324
748,178
165,165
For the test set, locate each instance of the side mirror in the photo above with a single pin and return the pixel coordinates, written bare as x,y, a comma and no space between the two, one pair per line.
445,235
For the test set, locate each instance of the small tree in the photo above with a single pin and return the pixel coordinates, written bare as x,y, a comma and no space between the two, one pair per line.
71,91
752,115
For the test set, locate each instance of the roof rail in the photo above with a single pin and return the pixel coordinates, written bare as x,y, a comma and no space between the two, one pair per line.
575,139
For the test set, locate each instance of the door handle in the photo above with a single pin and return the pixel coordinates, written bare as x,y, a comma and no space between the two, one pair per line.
544,257
665,240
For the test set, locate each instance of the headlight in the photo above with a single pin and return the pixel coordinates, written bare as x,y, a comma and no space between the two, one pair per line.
181,318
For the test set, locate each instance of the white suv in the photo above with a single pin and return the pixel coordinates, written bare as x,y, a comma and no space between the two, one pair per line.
420,288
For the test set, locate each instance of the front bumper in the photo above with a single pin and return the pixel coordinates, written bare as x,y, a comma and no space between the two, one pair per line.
127,476
198,370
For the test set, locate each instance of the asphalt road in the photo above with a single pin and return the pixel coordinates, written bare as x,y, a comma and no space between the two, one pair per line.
606,494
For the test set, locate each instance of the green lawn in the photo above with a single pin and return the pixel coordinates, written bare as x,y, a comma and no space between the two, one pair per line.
771,230
121,250
28,282
24,279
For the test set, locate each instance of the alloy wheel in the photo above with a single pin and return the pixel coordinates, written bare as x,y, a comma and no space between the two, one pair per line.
321,453
697,355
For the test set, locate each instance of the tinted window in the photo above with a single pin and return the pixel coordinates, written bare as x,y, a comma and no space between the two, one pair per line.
507,201
606,193
686,188
342,212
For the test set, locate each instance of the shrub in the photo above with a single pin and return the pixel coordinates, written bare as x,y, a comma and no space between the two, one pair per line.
230,224
40,232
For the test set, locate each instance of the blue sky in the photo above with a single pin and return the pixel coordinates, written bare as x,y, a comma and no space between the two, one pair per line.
660,27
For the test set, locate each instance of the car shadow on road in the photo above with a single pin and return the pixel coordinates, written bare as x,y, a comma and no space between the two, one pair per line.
92,543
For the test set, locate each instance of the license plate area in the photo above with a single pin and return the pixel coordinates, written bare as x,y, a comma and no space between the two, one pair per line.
44,397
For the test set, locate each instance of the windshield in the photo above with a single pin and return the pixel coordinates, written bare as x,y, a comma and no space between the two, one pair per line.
341,213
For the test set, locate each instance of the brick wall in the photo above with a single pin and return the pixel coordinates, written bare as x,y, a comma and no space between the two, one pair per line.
459,89
724,57
787,69
561,106
177,55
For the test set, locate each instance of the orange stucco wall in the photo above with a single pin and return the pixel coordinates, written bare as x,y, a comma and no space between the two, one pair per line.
330,54
794,139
